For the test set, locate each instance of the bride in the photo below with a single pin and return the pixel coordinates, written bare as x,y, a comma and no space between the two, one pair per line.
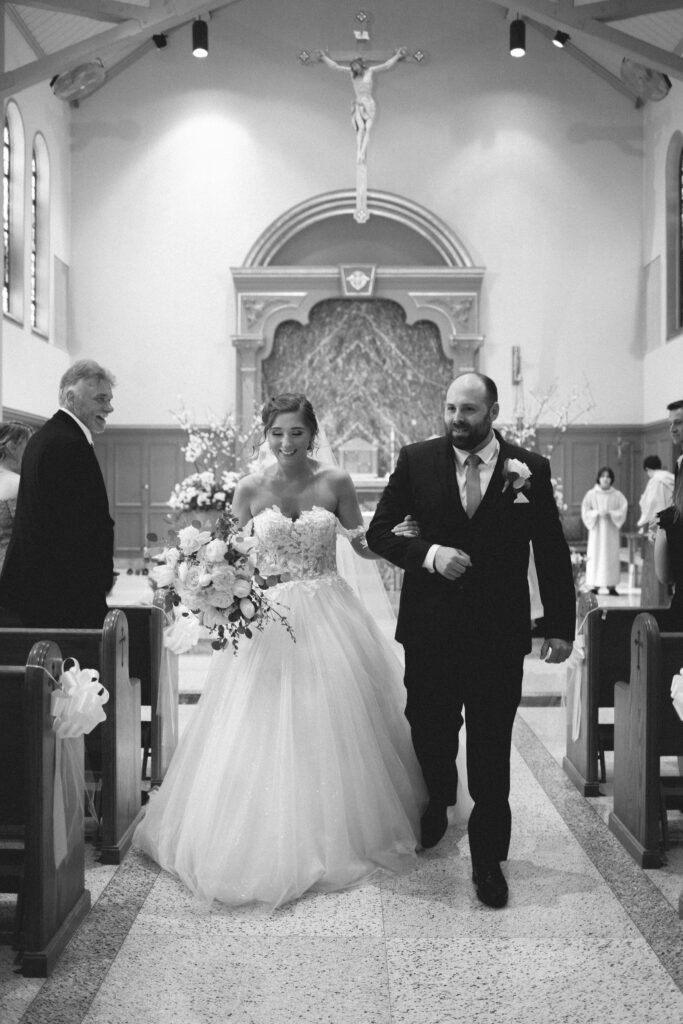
297,771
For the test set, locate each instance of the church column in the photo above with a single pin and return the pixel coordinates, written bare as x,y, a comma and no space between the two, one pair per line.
248,378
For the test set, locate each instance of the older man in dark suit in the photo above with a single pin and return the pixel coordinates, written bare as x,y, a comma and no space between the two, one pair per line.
464,615
59,564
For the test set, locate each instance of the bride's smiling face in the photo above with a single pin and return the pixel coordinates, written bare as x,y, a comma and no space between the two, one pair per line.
289,437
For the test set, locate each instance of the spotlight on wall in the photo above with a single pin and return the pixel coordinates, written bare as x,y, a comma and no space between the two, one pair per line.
517,38
560,39
200,38
160,41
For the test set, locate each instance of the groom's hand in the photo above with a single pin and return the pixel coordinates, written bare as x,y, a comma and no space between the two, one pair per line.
555,651
451,562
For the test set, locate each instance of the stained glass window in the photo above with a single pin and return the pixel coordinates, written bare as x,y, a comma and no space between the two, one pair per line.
34,221
40,236
679,245
6,212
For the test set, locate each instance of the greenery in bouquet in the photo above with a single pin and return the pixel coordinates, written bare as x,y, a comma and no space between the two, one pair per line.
215,448
213,574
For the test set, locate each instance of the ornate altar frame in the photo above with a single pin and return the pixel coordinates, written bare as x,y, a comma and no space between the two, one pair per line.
447,293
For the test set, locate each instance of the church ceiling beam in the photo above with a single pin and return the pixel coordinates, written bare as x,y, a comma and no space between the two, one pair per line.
618,10
572,19
96,10
24,31
578,55
150,21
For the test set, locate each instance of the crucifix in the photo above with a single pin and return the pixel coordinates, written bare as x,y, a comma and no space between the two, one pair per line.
362,70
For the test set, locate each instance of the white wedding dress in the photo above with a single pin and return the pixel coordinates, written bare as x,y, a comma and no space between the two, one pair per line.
297,771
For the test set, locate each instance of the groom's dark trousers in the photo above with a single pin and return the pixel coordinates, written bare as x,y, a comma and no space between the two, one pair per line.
465,640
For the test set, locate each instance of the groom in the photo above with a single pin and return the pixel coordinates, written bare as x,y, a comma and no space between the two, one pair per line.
464,618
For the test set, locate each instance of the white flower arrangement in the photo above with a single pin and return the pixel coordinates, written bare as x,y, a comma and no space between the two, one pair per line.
216,449
213,574
202,491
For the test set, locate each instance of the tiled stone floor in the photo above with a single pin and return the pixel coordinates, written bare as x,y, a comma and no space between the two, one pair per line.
587,936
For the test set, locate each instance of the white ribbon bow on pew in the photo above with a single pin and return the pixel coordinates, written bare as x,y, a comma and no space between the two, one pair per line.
77,702
76,705
677,693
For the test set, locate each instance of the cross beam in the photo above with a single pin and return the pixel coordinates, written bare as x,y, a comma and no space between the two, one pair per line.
151,21
573,19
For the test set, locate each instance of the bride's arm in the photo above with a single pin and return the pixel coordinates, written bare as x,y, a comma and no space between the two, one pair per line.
351,517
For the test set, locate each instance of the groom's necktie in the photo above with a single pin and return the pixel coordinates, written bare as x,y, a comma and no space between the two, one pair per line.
472,484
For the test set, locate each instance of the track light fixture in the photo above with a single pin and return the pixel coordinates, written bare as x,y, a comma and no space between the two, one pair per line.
200,38
160,40
560,39
517,38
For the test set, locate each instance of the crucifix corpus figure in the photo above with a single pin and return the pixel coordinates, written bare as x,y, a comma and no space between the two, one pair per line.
364,106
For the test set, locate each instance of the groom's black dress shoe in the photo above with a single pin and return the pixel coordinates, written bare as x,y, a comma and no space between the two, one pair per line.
489,881
433,824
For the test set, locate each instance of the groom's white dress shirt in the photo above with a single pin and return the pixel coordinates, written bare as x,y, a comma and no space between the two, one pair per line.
489,456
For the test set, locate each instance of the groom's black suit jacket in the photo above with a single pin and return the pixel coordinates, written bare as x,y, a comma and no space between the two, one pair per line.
59,564
491,603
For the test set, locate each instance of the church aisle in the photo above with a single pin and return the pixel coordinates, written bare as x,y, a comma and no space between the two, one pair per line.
586,937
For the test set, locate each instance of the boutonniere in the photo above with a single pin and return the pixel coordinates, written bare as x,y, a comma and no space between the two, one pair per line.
516,474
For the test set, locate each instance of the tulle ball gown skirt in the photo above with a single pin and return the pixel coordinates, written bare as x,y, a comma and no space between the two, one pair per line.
297,771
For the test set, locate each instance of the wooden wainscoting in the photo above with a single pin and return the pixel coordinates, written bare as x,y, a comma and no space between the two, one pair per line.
140,467
582,450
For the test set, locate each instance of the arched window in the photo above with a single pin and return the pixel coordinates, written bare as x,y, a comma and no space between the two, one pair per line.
40,237
674,236
13,213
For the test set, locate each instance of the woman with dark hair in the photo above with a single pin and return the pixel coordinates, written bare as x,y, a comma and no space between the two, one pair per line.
669,552
297,772
603,512
13,438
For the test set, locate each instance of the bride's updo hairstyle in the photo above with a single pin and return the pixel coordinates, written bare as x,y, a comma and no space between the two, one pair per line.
289,402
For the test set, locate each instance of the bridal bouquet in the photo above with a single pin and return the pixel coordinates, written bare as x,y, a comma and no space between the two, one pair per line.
213,574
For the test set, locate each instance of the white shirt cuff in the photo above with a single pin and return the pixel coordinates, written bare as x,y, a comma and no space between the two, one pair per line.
428,563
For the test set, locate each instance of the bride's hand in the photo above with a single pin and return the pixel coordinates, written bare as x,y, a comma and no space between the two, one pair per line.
409,527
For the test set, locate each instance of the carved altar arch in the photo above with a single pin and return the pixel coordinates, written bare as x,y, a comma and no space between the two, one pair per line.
268,293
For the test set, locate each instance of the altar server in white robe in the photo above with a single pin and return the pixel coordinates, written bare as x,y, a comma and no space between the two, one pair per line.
603,511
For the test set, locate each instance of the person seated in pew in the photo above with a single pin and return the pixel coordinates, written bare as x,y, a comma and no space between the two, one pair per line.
59,565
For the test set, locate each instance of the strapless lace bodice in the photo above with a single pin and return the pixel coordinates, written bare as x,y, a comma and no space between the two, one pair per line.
304,548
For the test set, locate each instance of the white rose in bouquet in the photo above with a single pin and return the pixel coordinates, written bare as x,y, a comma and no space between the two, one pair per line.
163,575
242,588
191,539
172,556
216,550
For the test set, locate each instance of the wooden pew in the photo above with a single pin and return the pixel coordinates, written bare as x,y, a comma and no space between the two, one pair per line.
51,899
113,747
607,636
154,665
646,728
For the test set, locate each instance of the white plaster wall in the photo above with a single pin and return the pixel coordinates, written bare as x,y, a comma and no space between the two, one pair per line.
179,165
32,366
663,364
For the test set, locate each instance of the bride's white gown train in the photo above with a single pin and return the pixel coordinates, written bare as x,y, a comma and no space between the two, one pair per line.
297,770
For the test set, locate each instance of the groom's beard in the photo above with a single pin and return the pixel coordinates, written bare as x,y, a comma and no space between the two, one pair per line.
468,436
